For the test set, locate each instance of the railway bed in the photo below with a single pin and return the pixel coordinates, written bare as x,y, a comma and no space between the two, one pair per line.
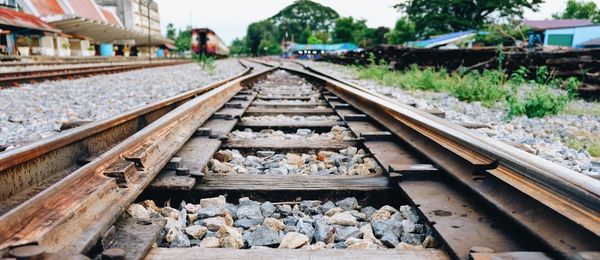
325,155
14,78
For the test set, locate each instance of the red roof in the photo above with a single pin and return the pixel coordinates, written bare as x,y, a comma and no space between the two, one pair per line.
47,7
110,17
556,24
22,20
86,9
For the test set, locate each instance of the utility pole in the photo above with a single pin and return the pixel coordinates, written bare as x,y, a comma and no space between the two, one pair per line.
149,33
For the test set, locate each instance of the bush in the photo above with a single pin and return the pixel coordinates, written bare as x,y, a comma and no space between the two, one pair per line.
540,102
488,87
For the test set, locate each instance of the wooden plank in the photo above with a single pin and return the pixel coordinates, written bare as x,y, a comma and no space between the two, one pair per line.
290,124
288,104
136,236
268,144
260,254
262,182
254,111
286,97
167,180
197,152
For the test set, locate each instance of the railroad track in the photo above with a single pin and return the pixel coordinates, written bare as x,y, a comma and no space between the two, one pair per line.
8,79
470,196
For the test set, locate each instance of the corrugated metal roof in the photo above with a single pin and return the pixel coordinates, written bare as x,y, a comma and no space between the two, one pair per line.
22,20
110,16
444,39
47,7
556,24
86,9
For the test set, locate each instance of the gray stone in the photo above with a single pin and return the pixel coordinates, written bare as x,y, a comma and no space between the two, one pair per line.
263,236
322,230
310,207
348,203
414,239
267,209
177,238
327,206
284,210
409,213
232,208
250,212
246,223
306,229
343,233
248,202
291,220
210,212
390,240
369,211
340,245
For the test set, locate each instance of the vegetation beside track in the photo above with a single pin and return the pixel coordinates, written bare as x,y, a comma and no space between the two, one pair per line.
537,97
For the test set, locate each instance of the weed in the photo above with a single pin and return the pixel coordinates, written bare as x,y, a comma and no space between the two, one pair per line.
206,62
488,87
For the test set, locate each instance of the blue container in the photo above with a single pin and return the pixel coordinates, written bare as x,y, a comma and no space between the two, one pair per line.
106,50
160,53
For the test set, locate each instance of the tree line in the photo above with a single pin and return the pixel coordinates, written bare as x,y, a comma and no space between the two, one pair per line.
305,21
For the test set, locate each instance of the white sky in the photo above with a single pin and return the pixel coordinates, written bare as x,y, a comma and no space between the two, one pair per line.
230,18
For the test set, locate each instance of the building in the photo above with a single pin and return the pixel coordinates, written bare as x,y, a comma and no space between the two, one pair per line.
134,14
314,51
23,34
567,33
98,29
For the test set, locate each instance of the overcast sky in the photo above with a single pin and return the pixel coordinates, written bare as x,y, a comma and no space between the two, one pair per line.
240,13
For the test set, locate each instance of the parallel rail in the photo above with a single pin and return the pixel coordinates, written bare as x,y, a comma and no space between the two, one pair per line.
553,208
11,78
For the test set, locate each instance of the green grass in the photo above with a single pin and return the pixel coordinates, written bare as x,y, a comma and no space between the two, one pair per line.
590,143
538,99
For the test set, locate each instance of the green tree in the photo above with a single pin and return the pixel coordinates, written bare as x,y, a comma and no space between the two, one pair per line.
183,42
441,16
306,33
349,30
323,36
404,31
239,47
171,32
302,14
269,47
378,36
314,40
580,10
259,31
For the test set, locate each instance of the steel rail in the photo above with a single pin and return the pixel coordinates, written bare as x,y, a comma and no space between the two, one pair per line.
544,187
544,171
74,213
33,164
8,78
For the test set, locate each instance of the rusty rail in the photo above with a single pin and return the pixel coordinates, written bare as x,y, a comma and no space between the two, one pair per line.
75,212
35,164
516,183
10,78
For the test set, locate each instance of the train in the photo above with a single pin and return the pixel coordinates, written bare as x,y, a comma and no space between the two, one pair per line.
206,41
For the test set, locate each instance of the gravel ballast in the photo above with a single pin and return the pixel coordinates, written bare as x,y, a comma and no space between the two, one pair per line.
35,111
306,224
546,137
